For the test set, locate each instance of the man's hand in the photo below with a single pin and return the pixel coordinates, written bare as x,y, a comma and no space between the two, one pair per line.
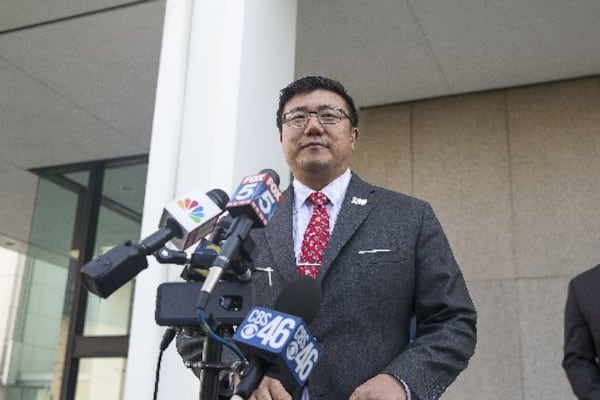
380,387
270,389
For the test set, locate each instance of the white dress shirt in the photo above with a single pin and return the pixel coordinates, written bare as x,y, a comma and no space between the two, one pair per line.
335,192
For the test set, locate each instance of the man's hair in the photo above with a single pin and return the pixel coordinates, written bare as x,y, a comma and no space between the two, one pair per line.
310,84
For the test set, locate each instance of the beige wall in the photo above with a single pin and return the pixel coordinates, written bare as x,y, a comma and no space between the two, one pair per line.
514,176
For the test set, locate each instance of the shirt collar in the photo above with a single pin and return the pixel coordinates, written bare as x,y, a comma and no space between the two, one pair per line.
335,190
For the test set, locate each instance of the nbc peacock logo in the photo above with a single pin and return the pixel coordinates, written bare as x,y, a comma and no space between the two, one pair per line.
192,208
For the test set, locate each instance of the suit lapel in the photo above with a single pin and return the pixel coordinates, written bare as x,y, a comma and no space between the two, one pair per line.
357,204
280,237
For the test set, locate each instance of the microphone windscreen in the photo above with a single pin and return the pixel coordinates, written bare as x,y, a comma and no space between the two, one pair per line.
301,298
221,229
273,174
219,197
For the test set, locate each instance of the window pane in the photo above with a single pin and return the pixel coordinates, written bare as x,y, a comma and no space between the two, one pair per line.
111,316
36,305
80,177
119,220
43,311
100,379
126,186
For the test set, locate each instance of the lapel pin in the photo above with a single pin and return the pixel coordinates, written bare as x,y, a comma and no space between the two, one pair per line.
358,201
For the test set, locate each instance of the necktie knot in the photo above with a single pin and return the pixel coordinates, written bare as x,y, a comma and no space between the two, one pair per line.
318,198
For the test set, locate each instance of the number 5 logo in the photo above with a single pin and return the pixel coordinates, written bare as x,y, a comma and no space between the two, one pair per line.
265,202
245,192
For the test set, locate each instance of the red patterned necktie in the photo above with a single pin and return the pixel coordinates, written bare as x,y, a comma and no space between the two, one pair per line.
315,238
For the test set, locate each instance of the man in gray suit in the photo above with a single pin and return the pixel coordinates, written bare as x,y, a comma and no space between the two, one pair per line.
387,262
582,334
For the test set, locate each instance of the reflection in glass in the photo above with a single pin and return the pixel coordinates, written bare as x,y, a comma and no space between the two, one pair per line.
80,177
119,220
40,293
100,379
125,185
41,313
111,316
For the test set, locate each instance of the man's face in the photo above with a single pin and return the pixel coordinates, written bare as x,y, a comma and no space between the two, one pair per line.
318,150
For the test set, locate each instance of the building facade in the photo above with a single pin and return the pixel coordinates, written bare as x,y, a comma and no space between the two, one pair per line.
513,174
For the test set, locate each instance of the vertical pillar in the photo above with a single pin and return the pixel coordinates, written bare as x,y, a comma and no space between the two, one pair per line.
222,65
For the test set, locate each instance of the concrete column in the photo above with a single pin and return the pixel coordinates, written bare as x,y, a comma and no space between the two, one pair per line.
222,65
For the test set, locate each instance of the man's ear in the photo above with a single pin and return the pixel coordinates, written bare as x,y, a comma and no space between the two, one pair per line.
355,133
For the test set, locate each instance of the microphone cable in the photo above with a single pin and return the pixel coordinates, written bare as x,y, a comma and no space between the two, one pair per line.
204,325
167,338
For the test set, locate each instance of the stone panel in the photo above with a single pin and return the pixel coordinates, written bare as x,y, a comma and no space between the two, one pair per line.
555,157
383,154
461,167
542,304
495,371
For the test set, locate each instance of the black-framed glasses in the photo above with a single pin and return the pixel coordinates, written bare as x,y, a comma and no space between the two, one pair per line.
325,115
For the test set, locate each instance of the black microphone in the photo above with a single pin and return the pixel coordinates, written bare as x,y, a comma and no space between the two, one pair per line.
184,221
252,205
277,342
207,251
203,255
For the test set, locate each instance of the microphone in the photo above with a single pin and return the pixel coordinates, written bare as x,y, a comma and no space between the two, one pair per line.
208,250
252,205
257,197
277,342
184,221
202,257
194,216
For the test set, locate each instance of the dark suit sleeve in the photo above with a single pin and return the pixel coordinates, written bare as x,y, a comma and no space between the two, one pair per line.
446,317
579,359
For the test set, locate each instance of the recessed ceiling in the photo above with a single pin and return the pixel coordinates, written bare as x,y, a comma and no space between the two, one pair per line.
392,51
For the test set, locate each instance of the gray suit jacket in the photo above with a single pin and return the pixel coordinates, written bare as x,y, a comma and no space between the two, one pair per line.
582,334
369,298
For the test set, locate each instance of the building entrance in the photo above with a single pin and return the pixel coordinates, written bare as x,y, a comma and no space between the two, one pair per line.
63,343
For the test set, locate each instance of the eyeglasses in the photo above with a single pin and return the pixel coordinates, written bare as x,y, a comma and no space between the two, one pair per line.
325,116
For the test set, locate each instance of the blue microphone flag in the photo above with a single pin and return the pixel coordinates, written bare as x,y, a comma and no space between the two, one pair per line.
282,340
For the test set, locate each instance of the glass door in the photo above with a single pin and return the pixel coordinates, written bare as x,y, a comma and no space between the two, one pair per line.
67,344
101,376
41,314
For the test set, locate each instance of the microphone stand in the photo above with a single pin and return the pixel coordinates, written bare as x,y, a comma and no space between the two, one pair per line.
226,308
211,366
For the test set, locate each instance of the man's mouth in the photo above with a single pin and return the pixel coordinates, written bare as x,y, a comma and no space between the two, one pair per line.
313,144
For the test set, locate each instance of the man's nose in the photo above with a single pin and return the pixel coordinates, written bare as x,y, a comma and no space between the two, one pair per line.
313,125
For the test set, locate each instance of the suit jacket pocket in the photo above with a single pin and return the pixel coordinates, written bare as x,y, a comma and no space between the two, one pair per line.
379,256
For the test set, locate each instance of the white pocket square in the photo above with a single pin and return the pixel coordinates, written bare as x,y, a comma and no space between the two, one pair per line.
374,251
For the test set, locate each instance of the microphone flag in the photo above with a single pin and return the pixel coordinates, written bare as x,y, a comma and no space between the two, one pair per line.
282,340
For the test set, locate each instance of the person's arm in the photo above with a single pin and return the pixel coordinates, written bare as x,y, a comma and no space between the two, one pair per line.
446,317
579,359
